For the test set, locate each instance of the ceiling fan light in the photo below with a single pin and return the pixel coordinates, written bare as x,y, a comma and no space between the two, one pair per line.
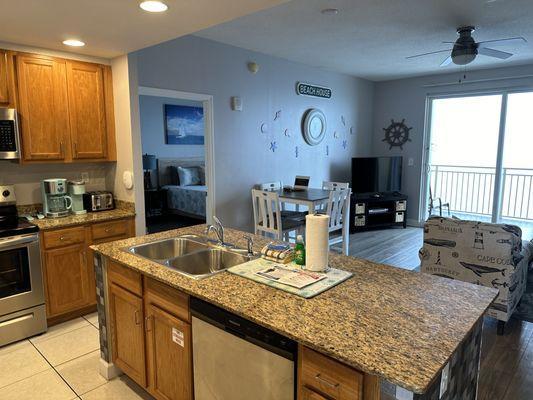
463,59
153,6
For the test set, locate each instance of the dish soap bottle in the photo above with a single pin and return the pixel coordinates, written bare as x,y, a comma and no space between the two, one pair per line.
299,251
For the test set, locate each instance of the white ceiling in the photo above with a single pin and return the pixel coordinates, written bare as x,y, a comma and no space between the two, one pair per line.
113,27
371,38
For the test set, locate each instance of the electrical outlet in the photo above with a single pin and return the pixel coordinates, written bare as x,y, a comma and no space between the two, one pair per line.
411,162
85,177
444,378
403,394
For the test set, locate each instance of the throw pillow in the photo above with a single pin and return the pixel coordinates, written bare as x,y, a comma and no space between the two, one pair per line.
189,176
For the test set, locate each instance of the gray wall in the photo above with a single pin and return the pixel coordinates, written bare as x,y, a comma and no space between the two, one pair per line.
152,114
242,154
406,98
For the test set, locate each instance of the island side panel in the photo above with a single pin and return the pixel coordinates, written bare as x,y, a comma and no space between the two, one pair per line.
100,277
463,374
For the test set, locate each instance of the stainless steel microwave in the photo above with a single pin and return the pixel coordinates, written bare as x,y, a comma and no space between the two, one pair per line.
9,134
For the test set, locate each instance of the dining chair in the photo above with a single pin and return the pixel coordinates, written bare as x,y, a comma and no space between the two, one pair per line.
338,209
327,185
276,186
267,216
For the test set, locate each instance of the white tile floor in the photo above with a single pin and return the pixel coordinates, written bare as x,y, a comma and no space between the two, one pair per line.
61,364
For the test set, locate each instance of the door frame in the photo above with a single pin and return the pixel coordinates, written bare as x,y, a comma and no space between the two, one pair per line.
426,150
209,142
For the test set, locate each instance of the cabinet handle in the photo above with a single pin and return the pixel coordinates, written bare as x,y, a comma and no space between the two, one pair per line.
75,148
138,319
148,322
326,382
61,149
61,238
107,230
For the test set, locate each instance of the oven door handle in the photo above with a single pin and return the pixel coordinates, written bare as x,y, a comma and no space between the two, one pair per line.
14,241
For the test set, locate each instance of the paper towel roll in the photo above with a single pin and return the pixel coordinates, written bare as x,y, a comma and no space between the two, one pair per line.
316,242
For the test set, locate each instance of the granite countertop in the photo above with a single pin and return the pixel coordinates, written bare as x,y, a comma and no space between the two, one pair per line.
90,217
400,325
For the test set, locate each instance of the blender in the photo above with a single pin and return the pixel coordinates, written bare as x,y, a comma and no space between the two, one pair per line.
56,202
76,189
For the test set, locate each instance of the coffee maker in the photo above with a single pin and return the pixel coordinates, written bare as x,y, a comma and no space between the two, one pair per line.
56,202
76,190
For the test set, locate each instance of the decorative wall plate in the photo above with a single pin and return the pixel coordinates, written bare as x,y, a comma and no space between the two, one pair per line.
314,126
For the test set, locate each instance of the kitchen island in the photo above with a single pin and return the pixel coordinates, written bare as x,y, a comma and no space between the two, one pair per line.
392,325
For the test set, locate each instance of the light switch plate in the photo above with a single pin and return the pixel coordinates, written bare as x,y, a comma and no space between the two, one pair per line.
444,378
410,161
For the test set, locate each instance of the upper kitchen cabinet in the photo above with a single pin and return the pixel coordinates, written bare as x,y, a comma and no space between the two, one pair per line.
4,91
43,107
90,111
65,109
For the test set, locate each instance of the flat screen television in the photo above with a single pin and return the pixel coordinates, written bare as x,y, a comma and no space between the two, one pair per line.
376,174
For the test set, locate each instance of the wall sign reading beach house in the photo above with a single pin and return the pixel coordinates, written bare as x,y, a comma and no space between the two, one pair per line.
306,89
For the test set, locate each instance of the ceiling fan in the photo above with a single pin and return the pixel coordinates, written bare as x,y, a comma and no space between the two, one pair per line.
465,48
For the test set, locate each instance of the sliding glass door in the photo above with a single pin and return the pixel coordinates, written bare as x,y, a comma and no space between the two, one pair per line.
479,158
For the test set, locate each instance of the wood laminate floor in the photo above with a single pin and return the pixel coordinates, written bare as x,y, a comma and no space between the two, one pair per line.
397,247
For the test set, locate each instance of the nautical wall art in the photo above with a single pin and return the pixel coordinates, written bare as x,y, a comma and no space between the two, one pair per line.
314,126
397,134
184,124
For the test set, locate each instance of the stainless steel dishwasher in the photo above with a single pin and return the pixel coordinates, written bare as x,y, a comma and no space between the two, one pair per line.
235,359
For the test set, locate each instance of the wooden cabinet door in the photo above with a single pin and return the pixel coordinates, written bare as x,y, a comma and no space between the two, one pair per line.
168,342
308,394
4,89
66,277
43,108
87,110
127,332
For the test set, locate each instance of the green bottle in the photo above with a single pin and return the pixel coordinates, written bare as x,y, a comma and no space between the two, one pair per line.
299,251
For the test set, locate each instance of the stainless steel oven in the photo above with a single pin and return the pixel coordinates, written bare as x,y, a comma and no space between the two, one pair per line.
22,307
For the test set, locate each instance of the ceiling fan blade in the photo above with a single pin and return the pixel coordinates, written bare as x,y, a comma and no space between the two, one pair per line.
502,55
511,41
446,62
427,54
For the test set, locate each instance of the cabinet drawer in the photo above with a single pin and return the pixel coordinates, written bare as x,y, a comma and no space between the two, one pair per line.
308,394
329,377
124,277
64,237
106,230
167,298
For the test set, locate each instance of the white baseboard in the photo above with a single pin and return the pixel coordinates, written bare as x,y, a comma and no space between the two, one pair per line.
108,370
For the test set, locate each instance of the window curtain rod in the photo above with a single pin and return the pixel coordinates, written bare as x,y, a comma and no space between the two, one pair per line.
464,82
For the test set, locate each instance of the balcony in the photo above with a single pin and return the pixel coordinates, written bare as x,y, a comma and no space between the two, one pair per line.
470,192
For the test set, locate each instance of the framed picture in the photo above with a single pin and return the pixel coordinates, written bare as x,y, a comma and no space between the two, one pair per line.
184,124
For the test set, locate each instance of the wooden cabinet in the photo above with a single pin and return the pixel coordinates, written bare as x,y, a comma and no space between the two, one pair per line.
127,332
87,110
69,278
168,344
65,107
43,108
320,377
166,372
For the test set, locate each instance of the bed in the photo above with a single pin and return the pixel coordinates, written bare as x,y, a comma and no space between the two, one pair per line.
189,201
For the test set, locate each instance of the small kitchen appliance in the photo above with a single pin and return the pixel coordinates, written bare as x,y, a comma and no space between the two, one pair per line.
56,202
9,134
76,190
22,308
98,201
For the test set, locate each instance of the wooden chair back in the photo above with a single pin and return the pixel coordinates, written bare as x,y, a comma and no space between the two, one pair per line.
326,185
267,213
337,208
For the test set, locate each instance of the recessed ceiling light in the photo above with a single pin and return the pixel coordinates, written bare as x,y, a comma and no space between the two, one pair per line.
330,11
74,43
154,6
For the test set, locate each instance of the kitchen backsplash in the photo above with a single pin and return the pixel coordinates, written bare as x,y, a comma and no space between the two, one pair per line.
27,178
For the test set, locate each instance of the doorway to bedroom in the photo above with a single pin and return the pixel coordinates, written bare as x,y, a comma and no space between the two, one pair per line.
176,136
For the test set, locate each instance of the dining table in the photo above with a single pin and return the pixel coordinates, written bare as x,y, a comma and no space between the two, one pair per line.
310,197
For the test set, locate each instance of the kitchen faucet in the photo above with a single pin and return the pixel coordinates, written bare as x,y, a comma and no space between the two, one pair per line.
219,230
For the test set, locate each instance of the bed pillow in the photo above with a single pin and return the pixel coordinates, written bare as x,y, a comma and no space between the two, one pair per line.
202,175
173,175
189,176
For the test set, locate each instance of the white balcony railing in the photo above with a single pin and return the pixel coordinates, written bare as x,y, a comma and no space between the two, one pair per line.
470,190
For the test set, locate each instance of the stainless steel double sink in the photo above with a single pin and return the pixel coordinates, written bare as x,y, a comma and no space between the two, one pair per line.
190,255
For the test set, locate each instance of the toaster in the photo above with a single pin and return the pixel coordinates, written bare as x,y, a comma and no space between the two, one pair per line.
98,201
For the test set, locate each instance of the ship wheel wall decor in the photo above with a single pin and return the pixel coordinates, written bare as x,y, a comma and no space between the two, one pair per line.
397,134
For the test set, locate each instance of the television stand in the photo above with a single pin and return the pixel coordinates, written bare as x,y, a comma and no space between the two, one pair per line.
377,210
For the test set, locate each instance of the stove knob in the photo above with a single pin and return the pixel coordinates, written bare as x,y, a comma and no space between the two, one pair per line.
6,193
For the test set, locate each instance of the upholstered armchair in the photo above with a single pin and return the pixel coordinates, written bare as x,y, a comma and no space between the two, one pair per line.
481,253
